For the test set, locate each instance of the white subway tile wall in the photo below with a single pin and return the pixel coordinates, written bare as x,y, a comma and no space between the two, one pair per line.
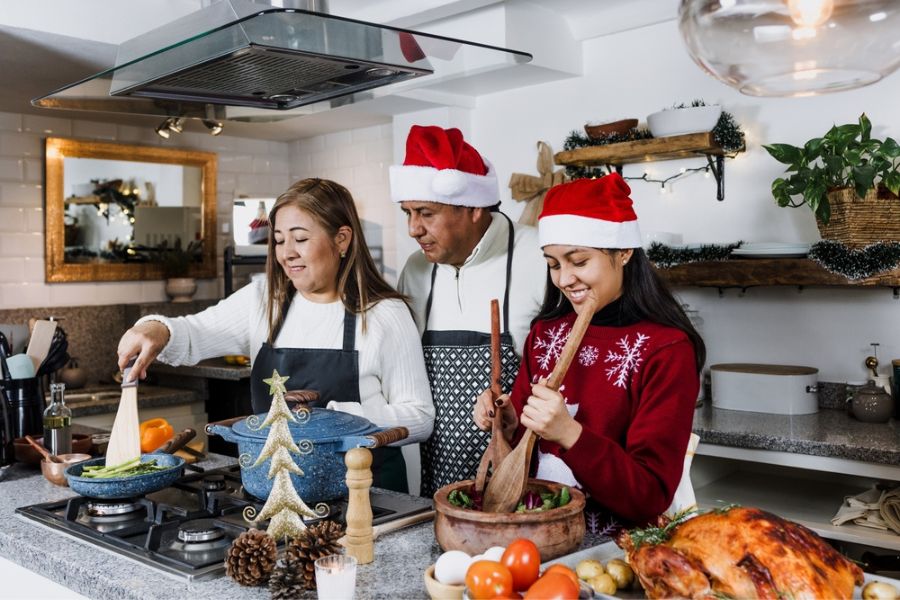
358,159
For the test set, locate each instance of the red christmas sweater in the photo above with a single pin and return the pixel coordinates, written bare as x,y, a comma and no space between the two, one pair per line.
633,388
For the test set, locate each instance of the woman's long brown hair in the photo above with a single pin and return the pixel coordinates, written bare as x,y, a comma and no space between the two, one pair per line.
360,286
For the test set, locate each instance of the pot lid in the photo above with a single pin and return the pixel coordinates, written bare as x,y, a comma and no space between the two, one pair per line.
322,424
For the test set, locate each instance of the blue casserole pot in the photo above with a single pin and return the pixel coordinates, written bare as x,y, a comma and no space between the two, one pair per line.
322,439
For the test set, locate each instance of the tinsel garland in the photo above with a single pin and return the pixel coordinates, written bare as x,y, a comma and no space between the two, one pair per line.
856,263
664,256
727,134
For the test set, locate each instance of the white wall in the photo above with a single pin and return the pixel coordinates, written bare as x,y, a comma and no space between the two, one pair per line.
251,167
635,73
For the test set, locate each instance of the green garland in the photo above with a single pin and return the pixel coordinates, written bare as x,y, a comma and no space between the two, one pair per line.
727,134
664,256
856,264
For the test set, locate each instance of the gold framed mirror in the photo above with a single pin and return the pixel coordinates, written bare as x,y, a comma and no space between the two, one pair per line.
115,212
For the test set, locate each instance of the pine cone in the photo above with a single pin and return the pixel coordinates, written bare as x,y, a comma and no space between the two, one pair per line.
251,558
287,581
317,541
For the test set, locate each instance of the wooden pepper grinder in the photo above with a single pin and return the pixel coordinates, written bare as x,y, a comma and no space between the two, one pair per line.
359,535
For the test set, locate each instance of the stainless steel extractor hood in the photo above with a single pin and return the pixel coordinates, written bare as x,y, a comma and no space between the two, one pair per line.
241,53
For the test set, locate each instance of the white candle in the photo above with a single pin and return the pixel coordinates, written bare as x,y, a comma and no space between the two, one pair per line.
336,577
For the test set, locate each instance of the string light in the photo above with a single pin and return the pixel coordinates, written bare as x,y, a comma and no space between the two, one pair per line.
662,182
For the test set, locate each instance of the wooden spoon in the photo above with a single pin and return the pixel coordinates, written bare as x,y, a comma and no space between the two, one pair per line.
498,448
509,480
43,451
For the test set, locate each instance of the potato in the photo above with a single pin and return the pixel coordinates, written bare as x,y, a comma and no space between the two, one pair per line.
586,569
602,584
879,590
620,572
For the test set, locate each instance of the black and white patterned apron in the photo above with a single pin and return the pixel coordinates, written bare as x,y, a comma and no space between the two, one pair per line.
459,369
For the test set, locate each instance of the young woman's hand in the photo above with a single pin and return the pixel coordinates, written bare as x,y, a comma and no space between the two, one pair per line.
145,340
546,414
483,414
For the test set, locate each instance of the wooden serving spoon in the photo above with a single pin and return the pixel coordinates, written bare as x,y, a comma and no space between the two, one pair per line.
43,451
509,480
498,448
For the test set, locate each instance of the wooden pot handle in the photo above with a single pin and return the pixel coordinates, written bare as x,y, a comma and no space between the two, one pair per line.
389,436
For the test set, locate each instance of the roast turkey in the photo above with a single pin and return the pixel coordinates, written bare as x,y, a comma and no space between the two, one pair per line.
738,553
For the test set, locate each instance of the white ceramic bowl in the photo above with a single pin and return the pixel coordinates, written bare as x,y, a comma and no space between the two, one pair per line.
681,121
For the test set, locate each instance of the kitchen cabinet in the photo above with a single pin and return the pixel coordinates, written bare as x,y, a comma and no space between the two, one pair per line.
744,273
653,149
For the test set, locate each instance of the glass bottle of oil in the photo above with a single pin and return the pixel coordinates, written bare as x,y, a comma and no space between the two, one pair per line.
58,421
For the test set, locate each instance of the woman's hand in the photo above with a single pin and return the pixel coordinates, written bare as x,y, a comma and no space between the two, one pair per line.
546,414
146,340
483,413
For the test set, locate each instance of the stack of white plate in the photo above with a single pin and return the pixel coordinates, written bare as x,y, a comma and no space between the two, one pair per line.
771,250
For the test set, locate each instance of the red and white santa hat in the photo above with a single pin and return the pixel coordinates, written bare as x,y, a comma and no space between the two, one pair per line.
441,167
596,213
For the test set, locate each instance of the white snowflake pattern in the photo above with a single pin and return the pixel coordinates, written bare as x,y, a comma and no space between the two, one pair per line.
626,362
551,346
588,355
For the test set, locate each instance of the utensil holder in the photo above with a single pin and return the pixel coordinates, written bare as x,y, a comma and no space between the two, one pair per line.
25,403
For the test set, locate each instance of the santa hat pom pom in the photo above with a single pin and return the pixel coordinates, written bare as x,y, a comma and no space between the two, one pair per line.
449,182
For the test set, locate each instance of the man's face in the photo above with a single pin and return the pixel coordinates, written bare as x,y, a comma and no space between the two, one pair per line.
446,234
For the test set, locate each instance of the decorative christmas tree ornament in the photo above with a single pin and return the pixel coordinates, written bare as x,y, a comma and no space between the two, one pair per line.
284,508
792,47
251,558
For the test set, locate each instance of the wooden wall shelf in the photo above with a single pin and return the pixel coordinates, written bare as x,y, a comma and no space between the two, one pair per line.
744,273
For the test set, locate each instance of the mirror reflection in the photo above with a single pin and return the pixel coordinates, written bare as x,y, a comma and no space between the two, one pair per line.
117,212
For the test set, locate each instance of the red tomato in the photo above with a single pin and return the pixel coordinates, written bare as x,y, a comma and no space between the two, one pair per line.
564,570
552,586
523,559
487,579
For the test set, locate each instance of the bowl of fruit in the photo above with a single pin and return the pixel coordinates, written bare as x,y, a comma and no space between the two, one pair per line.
549,513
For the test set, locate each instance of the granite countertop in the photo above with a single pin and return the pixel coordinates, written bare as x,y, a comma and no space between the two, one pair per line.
829,432
213,368
98,400
401,557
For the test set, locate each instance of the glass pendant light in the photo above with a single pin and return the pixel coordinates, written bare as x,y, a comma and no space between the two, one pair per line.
793,47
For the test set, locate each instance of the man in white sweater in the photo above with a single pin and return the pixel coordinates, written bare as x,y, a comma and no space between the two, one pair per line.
470,254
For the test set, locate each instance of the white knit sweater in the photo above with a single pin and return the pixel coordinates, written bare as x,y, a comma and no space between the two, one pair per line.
462,296
393,385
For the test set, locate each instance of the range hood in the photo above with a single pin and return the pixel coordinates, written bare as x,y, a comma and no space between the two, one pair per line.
241,53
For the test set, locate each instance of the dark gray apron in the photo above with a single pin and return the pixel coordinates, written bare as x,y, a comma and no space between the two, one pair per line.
335,375
459,368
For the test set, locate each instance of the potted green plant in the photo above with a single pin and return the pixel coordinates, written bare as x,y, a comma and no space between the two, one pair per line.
176,266
849,180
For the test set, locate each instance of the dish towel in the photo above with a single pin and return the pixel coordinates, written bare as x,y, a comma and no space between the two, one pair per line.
875,508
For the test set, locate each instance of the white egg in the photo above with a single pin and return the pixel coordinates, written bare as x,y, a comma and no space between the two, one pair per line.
451,567
494,553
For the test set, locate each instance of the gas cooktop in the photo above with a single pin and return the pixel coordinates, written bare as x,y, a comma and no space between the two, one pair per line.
186,529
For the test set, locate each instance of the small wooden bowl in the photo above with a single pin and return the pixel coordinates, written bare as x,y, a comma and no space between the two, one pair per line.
555,532
55,473
442,591
26,454
606,129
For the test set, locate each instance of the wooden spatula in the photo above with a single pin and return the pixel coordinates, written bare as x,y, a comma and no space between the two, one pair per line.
508,482
39,344
498,448
125,438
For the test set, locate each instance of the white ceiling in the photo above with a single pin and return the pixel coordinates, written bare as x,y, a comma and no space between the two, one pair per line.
47,44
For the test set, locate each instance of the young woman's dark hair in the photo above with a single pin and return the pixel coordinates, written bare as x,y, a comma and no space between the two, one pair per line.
644,297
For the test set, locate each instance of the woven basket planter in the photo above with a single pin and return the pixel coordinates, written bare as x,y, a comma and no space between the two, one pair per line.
858,222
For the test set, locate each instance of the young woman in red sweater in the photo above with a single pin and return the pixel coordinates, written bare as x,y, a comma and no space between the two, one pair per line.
618,427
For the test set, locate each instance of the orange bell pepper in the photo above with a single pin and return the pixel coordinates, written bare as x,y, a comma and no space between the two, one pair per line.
155,433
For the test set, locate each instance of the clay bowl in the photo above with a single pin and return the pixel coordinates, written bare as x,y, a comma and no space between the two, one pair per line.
55,473
606,129
26,454
555,532
441,591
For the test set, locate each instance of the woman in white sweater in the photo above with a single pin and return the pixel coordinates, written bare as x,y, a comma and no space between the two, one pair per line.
324,316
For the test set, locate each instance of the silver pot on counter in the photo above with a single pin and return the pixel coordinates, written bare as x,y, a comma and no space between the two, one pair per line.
773,389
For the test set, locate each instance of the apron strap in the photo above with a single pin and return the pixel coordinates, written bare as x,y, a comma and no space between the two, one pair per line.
288,298
509,254
349,325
